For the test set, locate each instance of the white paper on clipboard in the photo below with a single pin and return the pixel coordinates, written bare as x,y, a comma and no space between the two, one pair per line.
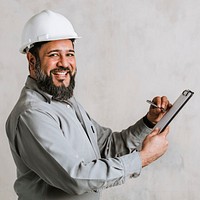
174,110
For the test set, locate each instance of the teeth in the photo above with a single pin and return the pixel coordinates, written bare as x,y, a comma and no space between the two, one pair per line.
61,73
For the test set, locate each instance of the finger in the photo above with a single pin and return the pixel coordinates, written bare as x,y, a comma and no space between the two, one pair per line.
165,132
164,102
157,100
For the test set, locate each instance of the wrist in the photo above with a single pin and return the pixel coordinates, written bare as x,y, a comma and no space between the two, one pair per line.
148,122
143,158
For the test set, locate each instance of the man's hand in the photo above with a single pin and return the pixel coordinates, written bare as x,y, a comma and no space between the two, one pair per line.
155,114
154,146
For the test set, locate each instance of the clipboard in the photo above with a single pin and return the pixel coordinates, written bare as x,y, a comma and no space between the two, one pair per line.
174,110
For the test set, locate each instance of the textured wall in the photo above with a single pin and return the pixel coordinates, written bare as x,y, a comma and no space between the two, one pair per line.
130,51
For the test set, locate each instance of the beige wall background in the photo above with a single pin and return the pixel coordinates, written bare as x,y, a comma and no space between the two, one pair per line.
130,51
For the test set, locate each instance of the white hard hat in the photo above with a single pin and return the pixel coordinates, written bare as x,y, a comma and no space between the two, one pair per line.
46,26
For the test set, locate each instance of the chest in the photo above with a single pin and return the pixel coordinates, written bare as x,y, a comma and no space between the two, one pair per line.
78,130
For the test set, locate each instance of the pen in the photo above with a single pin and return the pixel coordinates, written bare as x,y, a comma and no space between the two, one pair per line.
154,105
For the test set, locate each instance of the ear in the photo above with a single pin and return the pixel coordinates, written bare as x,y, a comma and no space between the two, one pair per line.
32,61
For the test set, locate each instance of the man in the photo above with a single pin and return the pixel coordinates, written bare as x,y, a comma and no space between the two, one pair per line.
59,151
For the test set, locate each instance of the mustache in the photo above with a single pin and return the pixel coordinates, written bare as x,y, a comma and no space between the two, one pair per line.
61,69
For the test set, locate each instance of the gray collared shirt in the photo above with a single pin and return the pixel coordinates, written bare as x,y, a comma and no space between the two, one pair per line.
62,154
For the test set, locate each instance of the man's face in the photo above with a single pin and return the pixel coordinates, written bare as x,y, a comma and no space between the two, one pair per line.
55,69
57,59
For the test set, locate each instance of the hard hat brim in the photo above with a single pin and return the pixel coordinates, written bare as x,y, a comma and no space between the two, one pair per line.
25,48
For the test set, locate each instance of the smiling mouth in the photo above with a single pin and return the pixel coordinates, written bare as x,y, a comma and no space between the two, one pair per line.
60,74
61,71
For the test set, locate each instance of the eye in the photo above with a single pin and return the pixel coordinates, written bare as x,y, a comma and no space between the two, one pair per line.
53,55
70,54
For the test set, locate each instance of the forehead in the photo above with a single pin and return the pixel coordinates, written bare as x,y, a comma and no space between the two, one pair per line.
59,45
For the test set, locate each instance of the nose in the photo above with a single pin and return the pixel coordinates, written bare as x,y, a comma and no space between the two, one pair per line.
64,62
67,60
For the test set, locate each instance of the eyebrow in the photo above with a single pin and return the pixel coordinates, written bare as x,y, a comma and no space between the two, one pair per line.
57,50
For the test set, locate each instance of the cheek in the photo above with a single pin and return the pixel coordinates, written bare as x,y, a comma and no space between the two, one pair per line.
46,68
73,64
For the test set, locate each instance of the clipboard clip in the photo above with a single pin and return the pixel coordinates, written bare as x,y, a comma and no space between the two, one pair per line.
187,92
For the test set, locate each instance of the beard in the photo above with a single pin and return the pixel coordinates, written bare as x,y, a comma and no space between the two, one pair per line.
45,83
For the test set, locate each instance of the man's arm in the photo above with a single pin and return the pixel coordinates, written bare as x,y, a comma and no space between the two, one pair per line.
115,144
44,149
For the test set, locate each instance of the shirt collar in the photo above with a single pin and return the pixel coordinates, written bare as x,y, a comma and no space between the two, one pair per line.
32,84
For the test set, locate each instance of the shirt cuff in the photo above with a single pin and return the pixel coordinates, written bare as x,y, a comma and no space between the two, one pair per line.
132,164
147,122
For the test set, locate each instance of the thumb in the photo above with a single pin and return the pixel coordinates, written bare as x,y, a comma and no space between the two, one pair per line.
165,132
156,131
